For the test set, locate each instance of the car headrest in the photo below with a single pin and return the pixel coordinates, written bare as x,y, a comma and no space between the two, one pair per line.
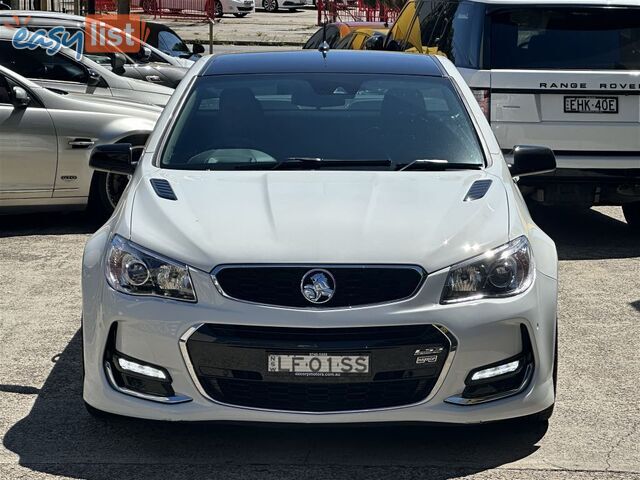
239,101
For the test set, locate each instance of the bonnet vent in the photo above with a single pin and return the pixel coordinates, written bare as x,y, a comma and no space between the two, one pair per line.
477,190
163,189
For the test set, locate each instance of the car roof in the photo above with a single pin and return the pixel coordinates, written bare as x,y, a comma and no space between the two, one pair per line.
157,26
334,61
573,3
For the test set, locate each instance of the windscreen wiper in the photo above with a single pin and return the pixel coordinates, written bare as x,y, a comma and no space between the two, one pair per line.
436,165
311,163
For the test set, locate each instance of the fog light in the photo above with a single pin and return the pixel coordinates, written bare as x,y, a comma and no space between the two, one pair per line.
140,369
495,371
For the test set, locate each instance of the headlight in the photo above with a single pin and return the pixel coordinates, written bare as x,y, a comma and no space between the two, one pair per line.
135,271
505,271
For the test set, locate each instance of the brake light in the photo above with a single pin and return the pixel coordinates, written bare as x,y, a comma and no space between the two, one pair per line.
483,96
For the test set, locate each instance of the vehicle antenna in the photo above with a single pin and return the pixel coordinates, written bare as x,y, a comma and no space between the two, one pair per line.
324,46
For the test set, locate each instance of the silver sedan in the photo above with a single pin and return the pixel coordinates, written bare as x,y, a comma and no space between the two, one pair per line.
46,139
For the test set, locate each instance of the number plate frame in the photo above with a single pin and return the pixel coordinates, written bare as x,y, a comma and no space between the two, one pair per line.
593,106
319,364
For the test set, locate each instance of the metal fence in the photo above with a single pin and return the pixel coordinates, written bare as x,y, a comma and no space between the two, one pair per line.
164,8
65,6
157,8
354,11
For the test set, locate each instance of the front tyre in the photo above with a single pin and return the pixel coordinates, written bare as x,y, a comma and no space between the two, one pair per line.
106,190
632,214
219,12
270,5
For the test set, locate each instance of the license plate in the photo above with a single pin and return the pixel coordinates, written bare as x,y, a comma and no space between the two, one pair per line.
248,3
590,104
320,365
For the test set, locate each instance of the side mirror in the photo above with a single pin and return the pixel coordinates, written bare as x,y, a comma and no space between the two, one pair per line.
93,78
532,160
20,98
118,61
146,53
114,158
376,42
197,49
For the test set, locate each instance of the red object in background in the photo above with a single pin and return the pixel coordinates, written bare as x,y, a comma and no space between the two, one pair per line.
164,8
331,11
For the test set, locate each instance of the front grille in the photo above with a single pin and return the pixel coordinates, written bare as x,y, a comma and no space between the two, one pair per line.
319,398
230,363
354,285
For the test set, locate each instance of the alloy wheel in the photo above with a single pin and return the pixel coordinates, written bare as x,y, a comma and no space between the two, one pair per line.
114,187
270,5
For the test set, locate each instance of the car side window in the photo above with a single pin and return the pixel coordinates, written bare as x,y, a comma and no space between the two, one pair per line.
433,21
40,65
344,43
461,36
170,43
333,36
5,97
400,30
314,41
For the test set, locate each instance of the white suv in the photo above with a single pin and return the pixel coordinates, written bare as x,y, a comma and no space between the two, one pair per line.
559,73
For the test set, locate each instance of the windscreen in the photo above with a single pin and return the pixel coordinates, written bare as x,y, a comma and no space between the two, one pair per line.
566,38
231,122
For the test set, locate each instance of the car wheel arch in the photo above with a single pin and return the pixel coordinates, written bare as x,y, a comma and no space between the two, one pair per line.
98,202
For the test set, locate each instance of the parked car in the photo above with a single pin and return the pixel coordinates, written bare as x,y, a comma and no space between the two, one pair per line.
275,5
562,73
363,39
148,63
63,72
46,138
332,33
217,8
390,274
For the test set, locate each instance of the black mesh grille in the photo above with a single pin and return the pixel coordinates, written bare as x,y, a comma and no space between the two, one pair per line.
354,286
319,397
231,364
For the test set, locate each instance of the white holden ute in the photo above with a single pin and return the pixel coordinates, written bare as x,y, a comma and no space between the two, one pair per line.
364,256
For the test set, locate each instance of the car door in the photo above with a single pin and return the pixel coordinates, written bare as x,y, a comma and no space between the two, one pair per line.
57,71
28,147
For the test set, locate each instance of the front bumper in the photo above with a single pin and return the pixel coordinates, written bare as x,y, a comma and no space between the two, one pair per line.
483,333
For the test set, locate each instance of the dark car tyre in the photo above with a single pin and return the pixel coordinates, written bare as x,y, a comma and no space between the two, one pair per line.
632,214
106,190
270,5
218,10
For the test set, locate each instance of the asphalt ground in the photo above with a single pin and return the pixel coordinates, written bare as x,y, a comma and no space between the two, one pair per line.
46,433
